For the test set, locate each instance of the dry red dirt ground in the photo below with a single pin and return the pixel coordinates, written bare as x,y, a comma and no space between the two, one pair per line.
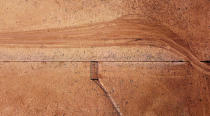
149,57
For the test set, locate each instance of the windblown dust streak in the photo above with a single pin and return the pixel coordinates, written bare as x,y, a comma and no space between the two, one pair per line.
131,30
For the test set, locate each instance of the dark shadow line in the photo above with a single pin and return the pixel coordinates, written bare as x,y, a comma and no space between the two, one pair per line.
206,61
98,61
